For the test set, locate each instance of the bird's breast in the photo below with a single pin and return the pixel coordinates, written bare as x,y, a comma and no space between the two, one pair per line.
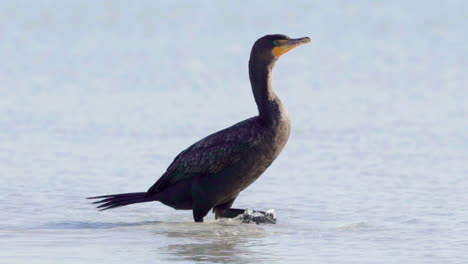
270,144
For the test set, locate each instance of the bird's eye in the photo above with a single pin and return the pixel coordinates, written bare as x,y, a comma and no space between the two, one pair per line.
276,43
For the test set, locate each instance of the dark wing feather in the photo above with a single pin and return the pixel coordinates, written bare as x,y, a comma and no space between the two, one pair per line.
211,154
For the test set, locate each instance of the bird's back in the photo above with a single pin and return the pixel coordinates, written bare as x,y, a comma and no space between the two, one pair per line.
240,147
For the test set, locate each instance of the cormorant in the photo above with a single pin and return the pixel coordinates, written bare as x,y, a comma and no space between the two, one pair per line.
213,171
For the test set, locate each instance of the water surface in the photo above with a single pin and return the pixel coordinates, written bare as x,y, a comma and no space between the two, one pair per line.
98,98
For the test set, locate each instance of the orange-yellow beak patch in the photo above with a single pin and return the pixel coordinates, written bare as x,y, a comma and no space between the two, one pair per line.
285,45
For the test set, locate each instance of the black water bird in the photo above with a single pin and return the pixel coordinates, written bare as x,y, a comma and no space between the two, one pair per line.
213,171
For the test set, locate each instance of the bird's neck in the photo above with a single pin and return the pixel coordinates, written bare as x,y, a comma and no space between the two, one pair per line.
270,108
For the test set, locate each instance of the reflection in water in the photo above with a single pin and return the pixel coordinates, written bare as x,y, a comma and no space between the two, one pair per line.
91,225
212,241
217,242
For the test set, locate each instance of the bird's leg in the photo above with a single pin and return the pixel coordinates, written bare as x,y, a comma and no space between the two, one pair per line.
221,208
224,210
232,212
200,204
199,212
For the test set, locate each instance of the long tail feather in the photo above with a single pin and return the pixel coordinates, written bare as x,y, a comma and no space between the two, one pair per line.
122,199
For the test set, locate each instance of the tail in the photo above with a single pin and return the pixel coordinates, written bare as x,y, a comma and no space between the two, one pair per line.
116,200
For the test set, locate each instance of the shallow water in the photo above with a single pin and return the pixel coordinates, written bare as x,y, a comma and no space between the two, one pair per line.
99,98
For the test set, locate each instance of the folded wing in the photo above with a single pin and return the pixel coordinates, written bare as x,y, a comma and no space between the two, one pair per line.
210,155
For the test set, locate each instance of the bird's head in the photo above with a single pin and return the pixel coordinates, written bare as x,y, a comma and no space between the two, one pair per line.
270,47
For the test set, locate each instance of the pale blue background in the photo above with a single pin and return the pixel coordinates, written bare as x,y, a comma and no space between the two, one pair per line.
97,97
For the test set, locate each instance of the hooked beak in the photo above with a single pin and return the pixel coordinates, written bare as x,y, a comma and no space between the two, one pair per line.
286,45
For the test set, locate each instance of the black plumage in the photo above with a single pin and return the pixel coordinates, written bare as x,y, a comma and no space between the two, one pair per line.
213,171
